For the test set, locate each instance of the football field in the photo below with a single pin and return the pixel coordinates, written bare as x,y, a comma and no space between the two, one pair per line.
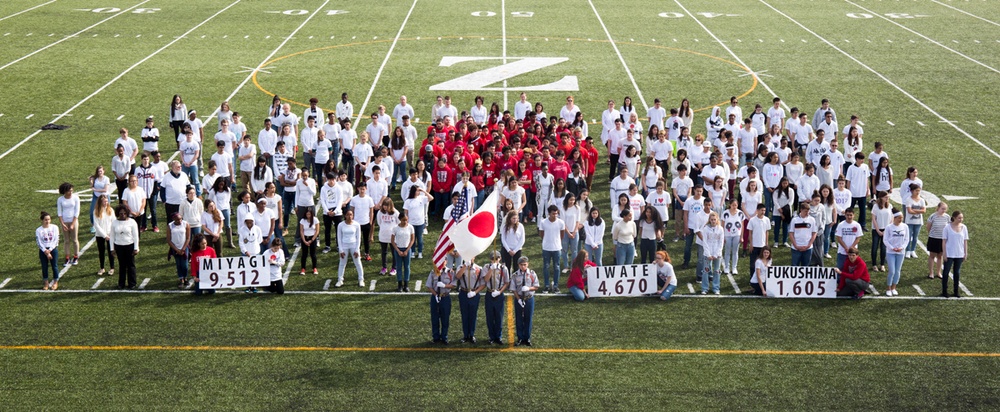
923,76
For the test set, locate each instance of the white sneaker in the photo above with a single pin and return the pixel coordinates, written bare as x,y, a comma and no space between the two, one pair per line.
775,246
895,292
361,283
736,272
828,256
787,245
420,255
717,292
339,284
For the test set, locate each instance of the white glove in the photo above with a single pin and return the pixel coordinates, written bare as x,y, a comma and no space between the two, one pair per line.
496,293
471,295
440,284
525,288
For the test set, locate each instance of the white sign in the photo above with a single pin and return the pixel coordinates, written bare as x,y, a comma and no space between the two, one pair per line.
233,272
624,280
516,66
801,282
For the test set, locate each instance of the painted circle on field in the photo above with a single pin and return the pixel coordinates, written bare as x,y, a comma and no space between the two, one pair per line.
482,224
748,72
931,199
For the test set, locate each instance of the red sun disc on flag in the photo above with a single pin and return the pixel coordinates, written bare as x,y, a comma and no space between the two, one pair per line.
482,224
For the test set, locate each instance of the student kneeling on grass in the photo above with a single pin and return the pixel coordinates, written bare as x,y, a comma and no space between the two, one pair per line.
665,277
853,276
275,260
576,284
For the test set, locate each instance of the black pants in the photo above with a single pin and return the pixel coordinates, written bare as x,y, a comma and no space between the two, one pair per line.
330,223
387,248
121,185
613,160
171,209
647,250
366,231
104,245
949,264
277,286
877,247
308,250
126,265
176,126
754,254
508,260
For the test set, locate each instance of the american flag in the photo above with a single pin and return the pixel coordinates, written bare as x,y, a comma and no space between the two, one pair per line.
444,244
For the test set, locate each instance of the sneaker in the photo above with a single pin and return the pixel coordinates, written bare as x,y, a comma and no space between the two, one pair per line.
302,272
100,272
704,292
392,272
420,255
787,245
828,256
555,289
676,239
76,260
339,284
361,283
111,272
368,258
156,229
426,231
895,292
93,230
382,272
406,289
326,249
775,246
943,295
736,272
717,292
565,270
315,271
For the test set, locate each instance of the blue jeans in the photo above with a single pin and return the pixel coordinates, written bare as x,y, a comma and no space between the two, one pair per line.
402,266
287,205
914,232
569,248
730,253
192,173
399,171
93,204
523,317
688,241
494,316
182,266
768,202
842,257
895,261
452,261
827,238
440,317
418,239
550,262
594,253
711,269
780,230
950,263
577,294
668,292
624,253
46,264
801,258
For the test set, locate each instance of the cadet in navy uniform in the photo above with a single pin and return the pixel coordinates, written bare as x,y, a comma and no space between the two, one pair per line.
497,280
524,283
470,283
440,285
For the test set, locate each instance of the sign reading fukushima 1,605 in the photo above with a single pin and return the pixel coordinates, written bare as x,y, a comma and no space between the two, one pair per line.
624,280
233,272
801,282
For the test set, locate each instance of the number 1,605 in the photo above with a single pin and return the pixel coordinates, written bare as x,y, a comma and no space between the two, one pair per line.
802,287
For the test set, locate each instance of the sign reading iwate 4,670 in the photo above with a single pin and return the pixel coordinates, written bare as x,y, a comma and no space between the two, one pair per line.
624,280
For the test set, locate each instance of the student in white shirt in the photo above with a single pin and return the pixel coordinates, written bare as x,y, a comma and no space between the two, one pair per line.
68,211
758,226
387,218
551,230
894,240
275,260
349,236
915,207
657,114
849,234
803,230
364,209
713,240
733,221
402,240
125,241
308,237
47,240
857,178
956,251
783,199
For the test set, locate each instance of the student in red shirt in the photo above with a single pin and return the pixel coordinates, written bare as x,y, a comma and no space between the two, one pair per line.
590,152
577,286
199,250
854,277
478,180
559,167
442,181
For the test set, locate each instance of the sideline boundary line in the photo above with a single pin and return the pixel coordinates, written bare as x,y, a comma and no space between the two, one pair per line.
27,10
118,77
751,352
71,36
620,58
886,79
924,37
378,74
553,296
966,13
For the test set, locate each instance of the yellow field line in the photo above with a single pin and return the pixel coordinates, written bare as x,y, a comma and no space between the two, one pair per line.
508,349
510,321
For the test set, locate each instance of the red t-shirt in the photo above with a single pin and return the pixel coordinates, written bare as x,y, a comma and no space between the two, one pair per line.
853,271
591,153
560,170
443,179
576,276
208,252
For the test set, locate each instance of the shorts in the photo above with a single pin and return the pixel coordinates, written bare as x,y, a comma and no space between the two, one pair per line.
934,245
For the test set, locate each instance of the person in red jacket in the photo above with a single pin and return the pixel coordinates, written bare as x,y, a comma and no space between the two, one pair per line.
576,285
853,276
442,181
200,250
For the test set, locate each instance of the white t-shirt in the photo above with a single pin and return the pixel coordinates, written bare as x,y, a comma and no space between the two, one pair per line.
659,201
858,176
362,209
732,223
386,223
759,266
552,234
802,228
758,231
402,235
916,218
308,228
955,242
694,208
656,116
848,232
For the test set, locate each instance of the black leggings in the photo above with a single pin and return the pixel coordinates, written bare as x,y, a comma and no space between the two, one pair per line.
308,250
126,262
386,248
277,286
647,250
508,260
366,231
104,245
330,223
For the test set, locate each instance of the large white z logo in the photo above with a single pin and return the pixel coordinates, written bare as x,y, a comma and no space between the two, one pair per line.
517,66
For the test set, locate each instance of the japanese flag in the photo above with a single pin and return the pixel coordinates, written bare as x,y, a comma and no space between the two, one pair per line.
475,234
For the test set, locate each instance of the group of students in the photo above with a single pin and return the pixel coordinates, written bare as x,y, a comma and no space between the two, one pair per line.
728,187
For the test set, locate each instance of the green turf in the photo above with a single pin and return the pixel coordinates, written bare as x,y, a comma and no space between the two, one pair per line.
669,58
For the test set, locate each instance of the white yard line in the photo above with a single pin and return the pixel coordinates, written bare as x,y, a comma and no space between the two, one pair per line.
98,283
71,36
118,77
84,249
144,283
919,290
881,76
961,285
268,58
620,58
753,73
378,74
924,37
27,10
5,282
736,287
290,263
967,13
503,36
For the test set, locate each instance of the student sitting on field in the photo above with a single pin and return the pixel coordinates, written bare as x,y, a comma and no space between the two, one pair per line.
853,276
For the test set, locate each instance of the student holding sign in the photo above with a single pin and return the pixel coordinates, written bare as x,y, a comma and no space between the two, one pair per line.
576,284
200,250
854,276
759,276
275,260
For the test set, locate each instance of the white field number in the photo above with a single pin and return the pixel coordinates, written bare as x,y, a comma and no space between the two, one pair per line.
624,280
233,272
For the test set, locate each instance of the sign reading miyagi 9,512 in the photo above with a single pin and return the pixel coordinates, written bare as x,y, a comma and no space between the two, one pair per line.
624,280
801,282
234,272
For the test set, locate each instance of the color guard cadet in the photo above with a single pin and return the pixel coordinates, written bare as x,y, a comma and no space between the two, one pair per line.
470,283
524,283
497,280
440,285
